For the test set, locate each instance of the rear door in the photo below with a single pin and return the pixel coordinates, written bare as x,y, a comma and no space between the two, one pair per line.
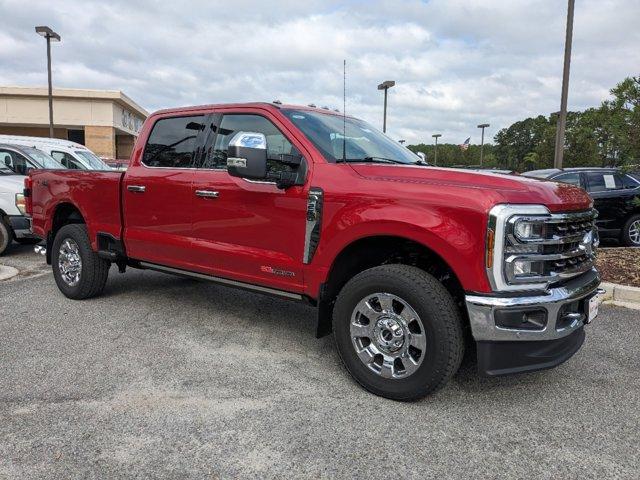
610,198
157,196
248,230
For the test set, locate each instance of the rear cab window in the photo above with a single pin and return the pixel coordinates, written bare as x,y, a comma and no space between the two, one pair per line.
172,141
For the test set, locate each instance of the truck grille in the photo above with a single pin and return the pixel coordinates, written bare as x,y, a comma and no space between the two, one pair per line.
564,248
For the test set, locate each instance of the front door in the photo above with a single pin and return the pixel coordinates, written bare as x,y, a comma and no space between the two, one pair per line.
244,230
157,194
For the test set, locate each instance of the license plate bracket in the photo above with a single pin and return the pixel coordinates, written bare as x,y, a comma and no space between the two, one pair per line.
591,305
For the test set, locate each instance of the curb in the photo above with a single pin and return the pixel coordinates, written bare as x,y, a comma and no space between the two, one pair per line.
621,295
7,272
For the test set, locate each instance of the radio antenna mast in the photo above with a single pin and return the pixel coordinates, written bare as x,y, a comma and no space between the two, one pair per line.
344,110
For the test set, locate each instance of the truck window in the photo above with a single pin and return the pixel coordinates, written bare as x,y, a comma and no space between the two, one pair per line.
172,141
231,124
66,160
15,161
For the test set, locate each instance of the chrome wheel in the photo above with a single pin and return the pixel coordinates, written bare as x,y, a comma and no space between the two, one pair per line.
634,232
388,335
69,262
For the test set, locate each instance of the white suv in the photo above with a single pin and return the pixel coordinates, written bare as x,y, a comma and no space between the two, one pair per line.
70,154
14,224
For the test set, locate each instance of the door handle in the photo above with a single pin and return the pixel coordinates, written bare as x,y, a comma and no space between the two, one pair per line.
207,194
136,188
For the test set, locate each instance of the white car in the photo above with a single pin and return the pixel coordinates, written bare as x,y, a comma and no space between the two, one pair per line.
14,224
70,154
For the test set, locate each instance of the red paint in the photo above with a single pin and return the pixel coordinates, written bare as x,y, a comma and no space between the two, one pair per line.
251,226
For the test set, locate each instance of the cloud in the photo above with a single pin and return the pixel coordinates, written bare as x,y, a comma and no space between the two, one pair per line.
457,63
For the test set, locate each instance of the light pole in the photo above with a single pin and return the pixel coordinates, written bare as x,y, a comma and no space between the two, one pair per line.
435,151
386,85
562,120
401,142
51,36
482,126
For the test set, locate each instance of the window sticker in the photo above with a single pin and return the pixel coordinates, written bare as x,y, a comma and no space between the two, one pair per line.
609,181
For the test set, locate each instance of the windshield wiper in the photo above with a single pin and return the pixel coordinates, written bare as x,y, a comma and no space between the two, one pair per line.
370,160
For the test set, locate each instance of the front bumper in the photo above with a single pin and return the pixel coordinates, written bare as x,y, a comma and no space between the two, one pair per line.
504,351
21,226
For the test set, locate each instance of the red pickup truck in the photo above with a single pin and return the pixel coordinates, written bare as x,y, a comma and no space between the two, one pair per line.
407,263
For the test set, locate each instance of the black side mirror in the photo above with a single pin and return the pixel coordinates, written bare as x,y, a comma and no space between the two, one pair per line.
247,156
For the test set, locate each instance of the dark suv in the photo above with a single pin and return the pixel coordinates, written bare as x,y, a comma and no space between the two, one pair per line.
616,196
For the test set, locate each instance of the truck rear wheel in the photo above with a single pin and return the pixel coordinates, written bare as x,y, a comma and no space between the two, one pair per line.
78,270
398,331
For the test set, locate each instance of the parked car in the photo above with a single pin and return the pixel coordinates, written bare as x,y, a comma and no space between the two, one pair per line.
70,154
400,259
14,224
616,197
20,159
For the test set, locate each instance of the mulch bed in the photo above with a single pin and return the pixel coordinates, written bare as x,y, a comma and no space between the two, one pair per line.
619,265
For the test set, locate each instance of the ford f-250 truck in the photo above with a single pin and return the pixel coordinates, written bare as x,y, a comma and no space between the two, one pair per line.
406,263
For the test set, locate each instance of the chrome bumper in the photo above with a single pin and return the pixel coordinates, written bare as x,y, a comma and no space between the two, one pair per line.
482,311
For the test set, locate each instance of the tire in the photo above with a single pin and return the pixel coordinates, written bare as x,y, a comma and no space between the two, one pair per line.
631,232
437,330
6,236
72,243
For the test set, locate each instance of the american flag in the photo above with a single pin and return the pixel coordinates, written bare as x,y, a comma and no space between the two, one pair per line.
465,145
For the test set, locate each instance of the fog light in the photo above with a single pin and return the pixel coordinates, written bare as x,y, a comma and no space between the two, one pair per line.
522,319
521,267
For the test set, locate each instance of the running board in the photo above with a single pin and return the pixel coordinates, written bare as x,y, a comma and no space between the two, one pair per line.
223,281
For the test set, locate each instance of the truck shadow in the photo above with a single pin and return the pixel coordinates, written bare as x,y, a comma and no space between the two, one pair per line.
208,309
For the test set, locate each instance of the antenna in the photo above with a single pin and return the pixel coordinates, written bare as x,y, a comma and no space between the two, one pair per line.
344,109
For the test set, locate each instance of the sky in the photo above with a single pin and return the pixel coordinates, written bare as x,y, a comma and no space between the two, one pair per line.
456,63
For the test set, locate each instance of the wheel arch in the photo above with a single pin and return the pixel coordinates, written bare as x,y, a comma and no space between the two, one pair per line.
370,251
65,213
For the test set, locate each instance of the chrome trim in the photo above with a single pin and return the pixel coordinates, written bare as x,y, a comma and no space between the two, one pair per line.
504,218
207,194
136,188
313,223
498,217
223,281
482,309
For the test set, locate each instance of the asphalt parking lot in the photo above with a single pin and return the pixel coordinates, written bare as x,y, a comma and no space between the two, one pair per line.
168,377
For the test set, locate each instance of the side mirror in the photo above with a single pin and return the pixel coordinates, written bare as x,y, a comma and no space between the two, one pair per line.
247,155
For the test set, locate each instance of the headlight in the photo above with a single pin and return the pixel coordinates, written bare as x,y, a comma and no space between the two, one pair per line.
21,204
528,229
528,247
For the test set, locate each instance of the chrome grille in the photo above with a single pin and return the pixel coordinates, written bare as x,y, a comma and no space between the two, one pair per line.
564,248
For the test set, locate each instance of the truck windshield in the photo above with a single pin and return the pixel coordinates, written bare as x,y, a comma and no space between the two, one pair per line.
354,140
42,159
94,162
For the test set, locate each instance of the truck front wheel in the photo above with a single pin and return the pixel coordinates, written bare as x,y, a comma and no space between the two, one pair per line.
398,331
78,270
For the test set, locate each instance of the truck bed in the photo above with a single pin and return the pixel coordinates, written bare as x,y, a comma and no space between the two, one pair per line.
95,193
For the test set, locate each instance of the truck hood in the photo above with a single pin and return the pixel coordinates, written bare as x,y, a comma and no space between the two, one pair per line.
12,183
492,187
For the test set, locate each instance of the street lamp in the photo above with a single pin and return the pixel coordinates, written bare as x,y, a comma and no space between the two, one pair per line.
51,36
435,151
482,126
386,85
559,151
401,142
